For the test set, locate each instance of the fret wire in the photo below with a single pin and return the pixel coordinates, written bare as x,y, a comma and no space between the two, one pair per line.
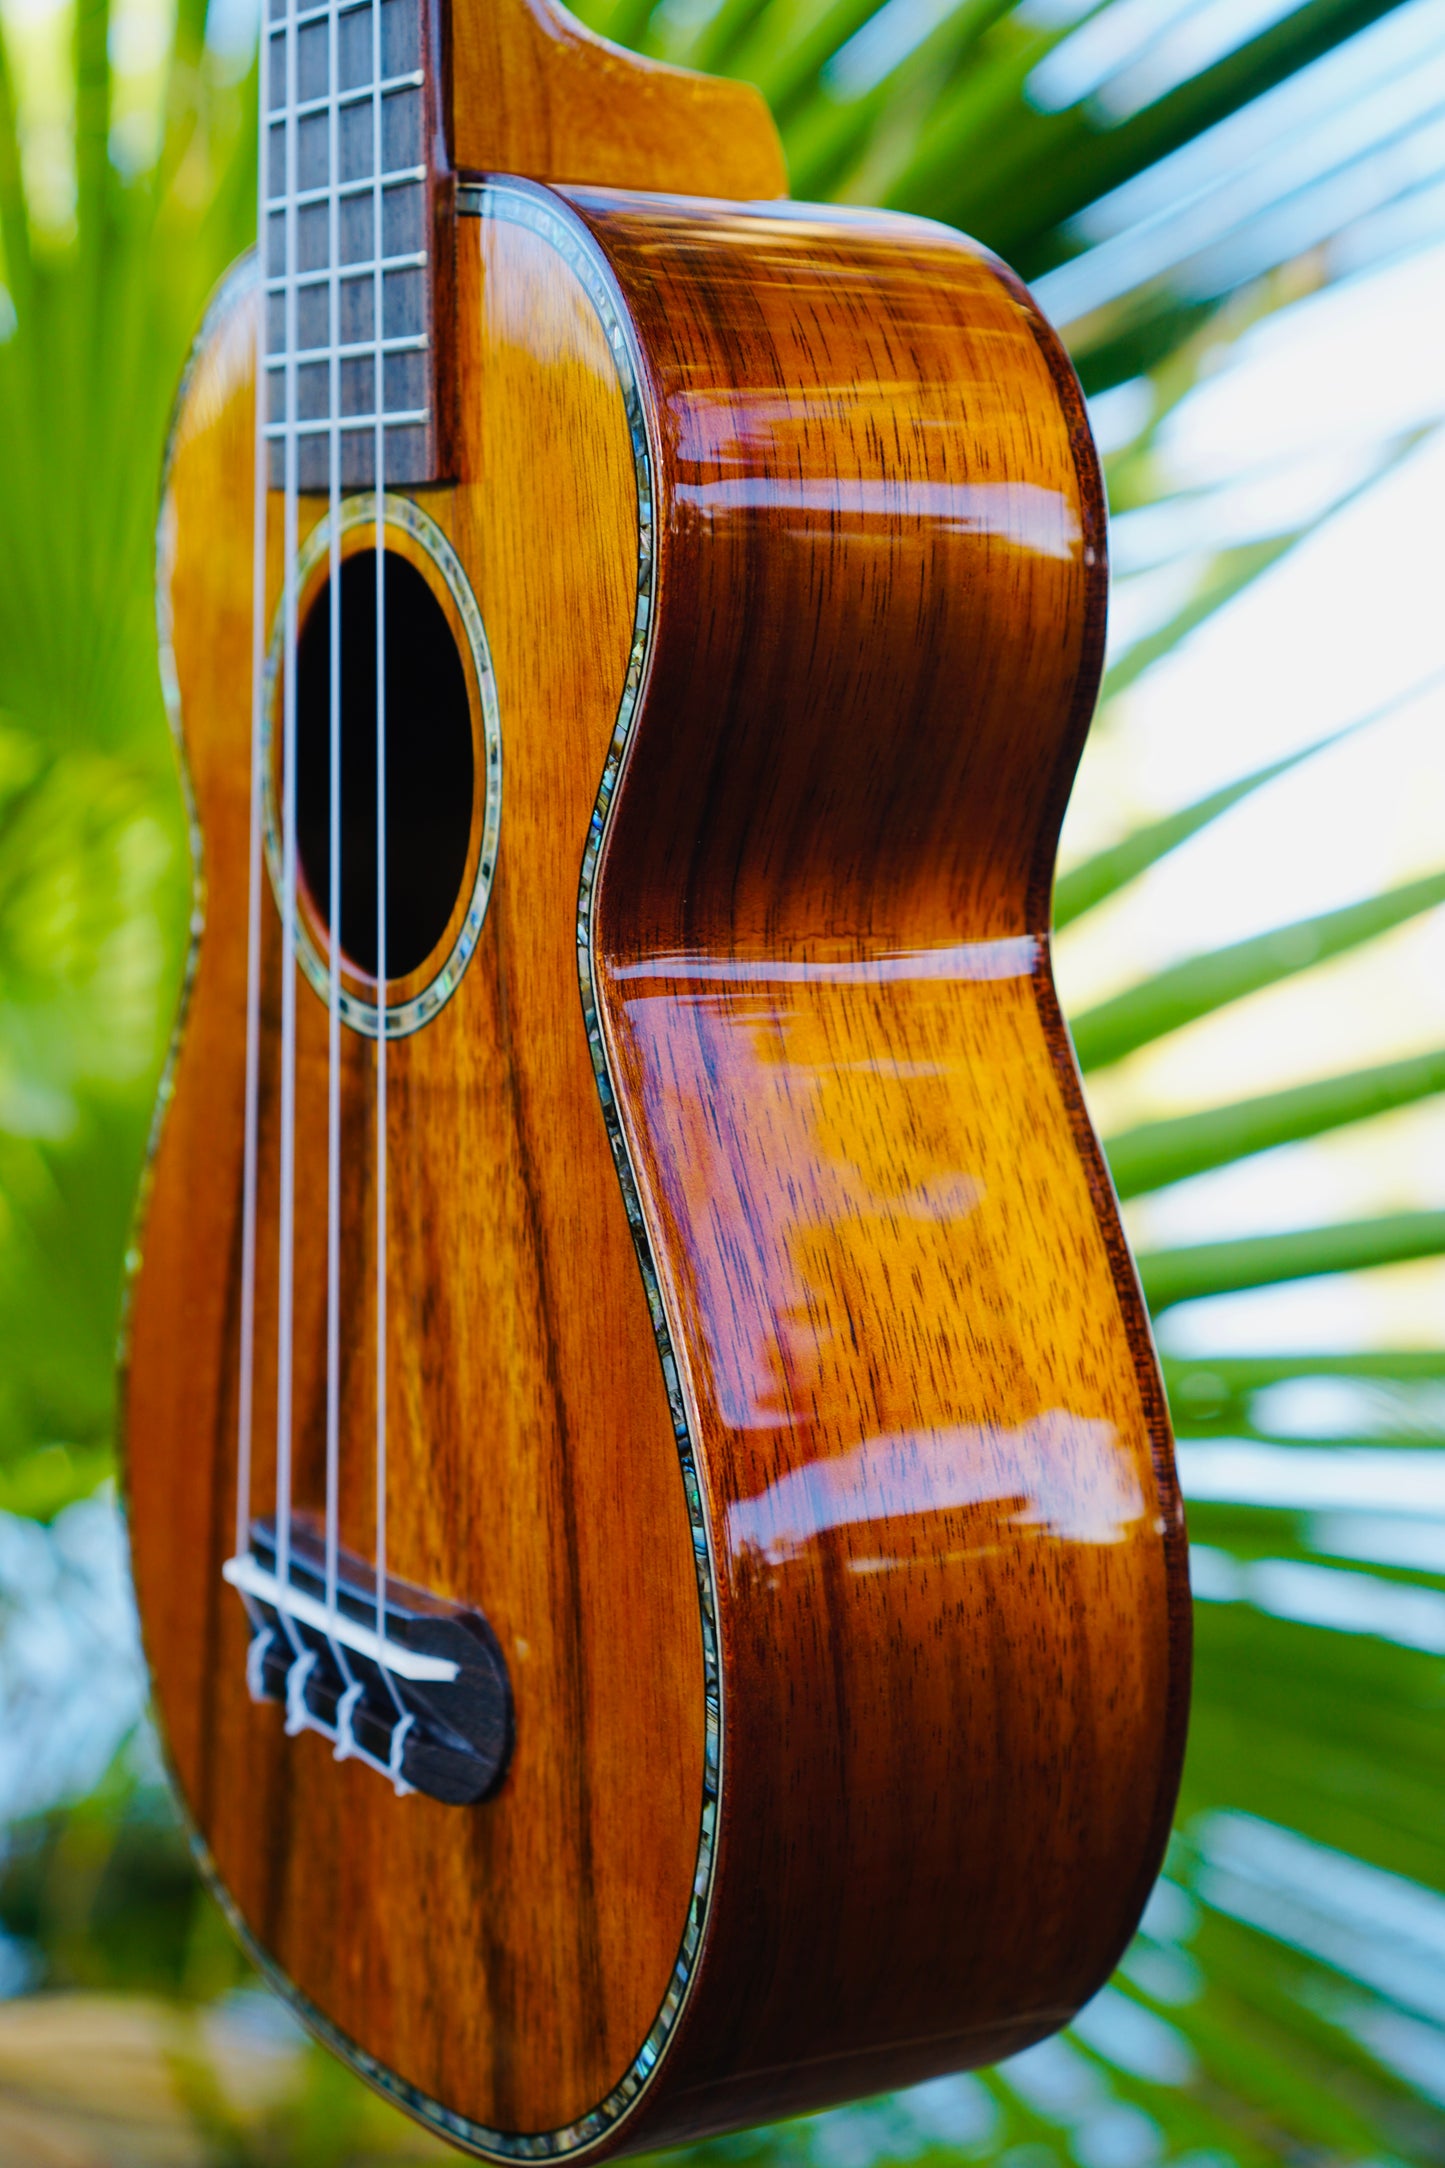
394,179
408,342
277,23
304,107
415,260
391,198
399,418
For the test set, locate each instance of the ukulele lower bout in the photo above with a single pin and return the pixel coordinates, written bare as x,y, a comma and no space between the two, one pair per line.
770,1401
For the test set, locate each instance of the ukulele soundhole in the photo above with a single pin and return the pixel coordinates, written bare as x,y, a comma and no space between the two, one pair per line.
414,1687
430,765
442,767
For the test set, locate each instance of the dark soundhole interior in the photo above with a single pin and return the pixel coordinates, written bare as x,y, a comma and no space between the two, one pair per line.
429,764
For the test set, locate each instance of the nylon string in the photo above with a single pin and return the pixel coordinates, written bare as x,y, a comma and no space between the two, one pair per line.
247,1379
333,914
287,1260
290,437
379,412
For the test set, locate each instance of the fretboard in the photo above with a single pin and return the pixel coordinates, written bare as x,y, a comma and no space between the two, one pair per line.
348,205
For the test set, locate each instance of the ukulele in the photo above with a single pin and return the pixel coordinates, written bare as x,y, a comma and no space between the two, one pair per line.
652,1501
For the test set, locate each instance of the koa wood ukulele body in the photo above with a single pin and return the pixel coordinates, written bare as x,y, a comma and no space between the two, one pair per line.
652,1502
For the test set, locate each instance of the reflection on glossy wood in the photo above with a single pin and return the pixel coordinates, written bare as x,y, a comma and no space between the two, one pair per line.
953,1610
944,1536
507,1961
536,92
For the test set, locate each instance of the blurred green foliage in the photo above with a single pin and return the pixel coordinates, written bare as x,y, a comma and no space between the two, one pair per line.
1251,2022
94,869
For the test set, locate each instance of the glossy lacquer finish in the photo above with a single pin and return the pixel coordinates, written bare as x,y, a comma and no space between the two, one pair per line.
766,1360
534,91
505,1963
952,1604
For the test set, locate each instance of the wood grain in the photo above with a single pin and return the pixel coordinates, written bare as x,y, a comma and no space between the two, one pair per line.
952,1600
508,1961
535,92
944,1545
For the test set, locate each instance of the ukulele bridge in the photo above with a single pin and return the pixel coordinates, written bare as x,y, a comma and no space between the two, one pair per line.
415,1687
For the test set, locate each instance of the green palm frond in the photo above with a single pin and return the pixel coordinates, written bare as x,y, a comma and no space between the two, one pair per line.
1092,882
1216,1393
1156,1153
1218,1268
94,867
1202,984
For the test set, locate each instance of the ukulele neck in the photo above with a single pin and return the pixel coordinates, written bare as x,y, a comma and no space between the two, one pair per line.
355,199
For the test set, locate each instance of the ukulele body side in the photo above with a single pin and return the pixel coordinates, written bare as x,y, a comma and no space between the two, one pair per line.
766,1361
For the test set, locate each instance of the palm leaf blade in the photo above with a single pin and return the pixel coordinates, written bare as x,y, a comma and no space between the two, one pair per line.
1216,1268
1155,1153
1187,991
1091,883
